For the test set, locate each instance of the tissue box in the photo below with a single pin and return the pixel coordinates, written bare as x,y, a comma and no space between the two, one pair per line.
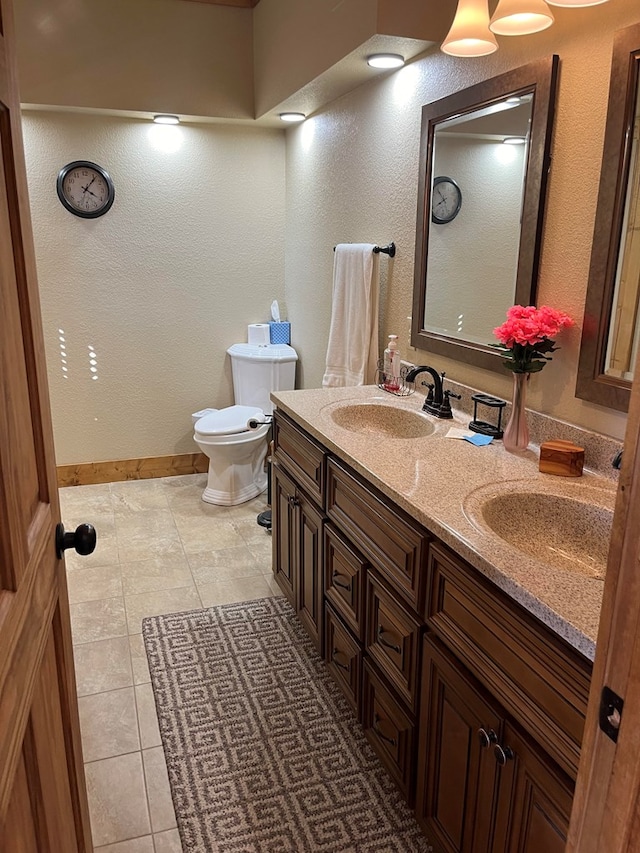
280,333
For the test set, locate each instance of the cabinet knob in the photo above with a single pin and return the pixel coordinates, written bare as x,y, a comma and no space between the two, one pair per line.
334,660
486,738
293,502
503,754
378,731
386,643
336,582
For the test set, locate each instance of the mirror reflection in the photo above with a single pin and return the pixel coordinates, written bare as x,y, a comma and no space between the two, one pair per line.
484,155
476,222
611,331
624,330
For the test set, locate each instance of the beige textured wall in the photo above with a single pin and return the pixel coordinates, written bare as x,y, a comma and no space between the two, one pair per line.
160,286
156,55
352,173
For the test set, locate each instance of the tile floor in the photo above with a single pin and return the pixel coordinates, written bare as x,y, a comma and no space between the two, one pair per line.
160,549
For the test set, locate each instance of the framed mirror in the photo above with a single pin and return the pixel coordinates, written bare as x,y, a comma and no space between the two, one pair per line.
484,158
611,331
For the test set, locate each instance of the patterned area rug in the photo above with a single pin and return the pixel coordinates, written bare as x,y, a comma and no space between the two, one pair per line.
263,752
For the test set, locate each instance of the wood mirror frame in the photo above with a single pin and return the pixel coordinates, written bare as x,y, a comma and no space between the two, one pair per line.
593,383
540,79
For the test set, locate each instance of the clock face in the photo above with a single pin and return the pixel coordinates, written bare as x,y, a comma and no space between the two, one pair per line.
85,189
446,200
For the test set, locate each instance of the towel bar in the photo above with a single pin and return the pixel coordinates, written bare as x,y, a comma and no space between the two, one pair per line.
385,250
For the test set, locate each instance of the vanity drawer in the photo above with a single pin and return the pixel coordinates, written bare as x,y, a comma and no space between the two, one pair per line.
345,571
538,677
391,541
344,658
389,730
301,456
393,639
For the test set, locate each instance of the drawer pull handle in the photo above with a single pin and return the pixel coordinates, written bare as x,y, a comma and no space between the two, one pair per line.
487,737
503,754
386,643
335,652
346,586
378,731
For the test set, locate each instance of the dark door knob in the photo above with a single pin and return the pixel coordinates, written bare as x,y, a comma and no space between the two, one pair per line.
83,539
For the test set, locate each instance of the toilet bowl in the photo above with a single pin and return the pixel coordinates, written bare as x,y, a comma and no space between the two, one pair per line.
236,454
237,451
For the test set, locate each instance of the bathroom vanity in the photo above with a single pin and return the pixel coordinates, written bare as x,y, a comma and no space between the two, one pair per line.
466,657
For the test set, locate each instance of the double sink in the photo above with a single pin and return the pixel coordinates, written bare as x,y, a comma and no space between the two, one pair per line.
562,522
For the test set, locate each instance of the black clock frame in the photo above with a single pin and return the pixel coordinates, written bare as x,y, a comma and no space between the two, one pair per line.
85,164
443,220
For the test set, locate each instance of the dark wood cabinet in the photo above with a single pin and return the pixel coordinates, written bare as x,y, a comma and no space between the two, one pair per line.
475,707
389,729
534,799
457,771
283,531
297,551
343,654
483,786
310,600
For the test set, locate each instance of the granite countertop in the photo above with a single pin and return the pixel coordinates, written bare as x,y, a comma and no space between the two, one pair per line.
442,482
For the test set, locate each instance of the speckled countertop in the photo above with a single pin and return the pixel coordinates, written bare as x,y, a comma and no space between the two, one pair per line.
443,483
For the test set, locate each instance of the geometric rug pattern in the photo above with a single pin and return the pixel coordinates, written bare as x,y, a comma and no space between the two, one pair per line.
263,752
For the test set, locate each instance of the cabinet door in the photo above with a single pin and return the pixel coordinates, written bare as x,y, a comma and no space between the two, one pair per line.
534,799
283,495
457,770
309,548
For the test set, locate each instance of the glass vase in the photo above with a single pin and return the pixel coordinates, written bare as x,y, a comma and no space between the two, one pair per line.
516,433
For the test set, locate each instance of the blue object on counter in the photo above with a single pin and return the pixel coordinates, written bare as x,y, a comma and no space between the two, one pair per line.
479,440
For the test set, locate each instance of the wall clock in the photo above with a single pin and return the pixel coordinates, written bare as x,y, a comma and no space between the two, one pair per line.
85,189
446,200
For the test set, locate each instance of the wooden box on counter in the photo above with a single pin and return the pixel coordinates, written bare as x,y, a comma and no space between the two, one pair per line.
562,458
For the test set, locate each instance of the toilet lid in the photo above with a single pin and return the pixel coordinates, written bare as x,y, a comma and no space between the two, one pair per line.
228,421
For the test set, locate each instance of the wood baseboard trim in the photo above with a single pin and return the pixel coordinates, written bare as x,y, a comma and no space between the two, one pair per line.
90,473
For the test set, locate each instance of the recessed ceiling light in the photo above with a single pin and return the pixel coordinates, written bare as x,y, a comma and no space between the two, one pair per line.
292,116
514,140
385,60
163,118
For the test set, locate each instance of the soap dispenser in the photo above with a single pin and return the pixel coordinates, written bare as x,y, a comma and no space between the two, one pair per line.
392,365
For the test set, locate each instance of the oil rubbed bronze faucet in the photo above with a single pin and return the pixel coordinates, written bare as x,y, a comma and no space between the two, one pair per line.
435,402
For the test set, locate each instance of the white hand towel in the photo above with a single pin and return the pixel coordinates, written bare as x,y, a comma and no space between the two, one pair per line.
352,351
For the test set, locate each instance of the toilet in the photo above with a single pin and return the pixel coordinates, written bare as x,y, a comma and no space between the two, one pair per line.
235,449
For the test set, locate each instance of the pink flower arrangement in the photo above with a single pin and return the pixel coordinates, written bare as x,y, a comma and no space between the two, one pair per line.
526,336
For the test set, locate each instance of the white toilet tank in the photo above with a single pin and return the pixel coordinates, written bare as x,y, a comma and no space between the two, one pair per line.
259,370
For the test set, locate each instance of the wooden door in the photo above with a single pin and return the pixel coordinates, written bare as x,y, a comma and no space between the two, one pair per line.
42,799
456,765
606,807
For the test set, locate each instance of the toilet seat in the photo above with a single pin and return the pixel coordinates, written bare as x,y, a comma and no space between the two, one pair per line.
229,421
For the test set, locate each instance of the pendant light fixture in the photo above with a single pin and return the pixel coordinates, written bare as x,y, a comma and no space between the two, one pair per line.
470,34
520,17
